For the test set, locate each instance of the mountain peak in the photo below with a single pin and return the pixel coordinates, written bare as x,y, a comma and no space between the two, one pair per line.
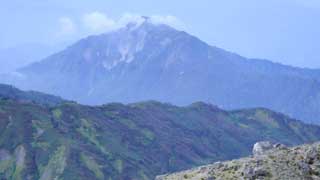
147,23
118,48
146,17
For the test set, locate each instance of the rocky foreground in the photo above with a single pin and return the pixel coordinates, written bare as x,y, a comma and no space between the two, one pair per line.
269,161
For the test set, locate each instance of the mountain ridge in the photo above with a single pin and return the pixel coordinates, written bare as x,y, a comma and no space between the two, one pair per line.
134,141
160,63
10,92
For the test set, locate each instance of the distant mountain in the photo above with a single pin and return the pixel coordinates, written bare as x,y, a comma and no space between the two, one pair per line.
282,163
136,141
156,62
10,92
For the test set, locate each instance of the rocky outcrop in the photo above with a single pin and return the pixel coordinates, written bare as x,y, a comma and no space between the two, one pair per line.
270,161
262,147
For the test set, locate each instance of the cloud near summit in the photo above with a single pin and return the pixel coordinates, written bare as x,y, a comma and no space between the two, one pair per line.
101,22
98,22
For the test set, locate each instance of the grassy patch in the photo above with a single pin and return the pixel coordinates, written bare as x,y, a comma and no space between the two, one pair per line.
89,132
6,166
244,126
57,113
118,164
13,166
148,134
17,173
265,117
127,122
92,165
43,145
56,164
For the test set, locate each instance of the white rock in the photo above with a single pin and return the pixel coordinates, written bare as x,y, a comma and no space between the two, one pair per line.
261,147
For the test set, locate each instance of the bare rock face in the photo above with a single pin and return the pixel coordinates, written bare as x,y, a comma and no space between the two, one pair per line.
261,147
20,154
270,162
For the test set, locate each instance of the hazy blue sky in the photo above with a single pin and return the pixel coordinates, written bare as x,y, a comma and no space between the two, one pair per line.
286,31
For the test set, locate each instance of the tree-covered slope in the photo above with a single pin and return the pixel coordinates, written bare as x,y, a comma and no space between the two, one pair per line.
136,141
10,92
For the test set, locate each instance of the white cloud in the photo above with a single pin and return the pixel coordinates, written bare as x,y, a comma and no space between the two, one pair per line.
130,18
98,22
168,20
155,19
67,27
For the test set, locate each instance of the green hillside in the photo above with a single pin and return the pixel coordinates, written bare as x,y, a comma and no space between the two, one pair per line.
136,141
10,92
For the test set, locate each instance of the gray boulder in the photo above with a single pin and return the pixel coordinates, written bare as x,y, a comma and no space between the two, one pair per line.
261,147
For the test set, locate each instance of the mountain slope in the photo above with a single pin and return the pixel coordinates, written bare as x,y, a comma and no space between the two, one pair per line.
136,141
148,61
281,163
17,57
